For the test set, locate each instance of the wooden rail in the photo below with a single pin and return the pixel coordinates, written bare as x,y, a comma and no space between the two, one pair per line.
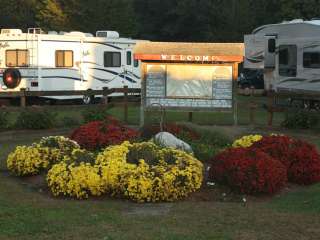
273,97
23,94
271,107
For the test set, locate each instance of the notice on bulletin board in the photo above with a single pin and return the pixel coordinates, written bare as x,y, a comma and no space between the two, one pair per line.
189,86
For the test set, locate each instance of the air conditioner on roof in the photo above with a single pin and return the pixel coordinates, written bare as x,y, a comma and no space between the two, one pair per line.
108,34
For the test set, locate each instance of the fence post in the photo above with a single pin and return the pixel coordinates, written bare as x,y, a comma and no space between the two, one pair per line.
270,107
105,93
23,97
125,103
190,116
252,106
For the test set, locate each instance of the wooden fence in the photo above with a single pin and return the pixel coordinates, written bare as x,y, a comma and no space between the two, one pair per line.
23,94
271,106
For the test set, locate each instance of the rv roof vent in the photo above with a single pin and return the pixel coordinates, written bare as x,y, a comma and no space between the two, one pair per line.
107,34
296,21
11,31
76,34
62,33
88,34
52,33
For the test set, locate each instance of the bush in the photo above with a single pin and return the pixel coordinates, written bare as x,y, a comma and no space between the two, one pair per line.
95,114
300,119
277,146
69,122
31,160
301,159
205,151
28,160
3,119
144,172
77,181
100,134
248,171
246,141
59,146
40,119
209,144
304,165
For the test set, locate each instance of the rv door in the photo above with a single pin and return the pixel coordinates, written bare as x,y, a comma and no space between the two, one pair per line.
270,52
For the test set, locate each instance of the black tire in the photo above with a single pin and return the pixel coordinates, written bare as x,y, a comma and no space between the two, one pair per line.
86,100
11,78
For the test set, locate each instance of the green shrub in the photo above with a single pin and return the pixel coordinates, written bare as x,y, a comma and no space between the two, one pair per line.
39,119
298,118
214,138
209,144
94,114
3,119
69,122
204,152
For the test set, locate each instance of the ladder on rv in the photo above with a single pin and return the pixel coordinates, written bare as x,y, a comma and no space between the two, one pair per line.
32,45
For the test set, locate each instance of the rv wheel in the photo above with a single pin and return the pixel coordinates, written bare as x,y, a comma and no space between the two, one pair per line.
11,78
87,99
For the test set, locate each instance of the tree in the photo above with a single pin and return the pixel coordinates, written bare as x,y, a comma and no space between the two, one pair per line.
90,16
17,14
305,9
50,15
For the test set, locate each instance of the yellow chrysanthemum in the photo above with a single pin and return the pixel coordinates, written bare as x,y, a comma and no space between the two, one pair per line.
246,141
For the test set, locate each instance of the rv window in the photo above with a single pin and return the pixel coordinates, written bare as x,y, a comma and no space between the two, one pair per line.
311,60
64,58
112,59
129,58
271,45
136,63
17,58
288,60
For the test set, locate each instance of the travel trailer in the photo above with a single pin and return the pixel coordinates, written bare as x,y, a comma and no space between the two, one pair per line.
288,53
39,61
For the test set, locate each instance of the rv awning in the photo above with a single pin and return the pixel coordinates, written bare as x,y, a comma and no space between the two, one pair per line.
193,52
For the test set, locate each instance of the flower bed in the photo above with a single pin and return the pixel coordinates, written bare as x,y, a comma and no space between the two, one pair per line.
301,159
31,160
145,172
142,172
99,134
257,166
248,171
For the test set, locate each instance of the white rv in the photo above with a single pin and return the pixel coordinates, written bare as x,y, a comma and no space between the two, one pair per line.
289,54
66,61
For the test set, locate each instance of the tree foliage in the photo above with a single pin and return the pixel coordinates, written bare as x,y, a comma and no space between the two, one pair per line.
165,20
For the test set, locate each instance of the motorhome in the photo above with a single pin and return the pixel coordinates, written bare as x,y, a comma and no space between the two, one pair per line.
39,61
288,53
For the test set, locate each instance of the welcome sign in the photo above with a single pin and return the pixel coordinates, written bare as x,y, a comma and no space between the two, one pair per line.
188,86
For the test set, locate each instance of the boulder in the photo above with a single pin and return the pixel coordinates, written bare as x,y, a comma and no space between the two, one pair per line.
167,139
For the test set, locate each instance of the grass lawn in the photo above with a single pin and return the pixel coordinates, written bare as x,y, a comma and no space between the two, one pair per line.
26,212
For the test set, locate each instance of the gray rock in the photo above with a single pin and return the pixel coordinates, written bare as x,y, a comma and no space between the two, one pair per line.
167,139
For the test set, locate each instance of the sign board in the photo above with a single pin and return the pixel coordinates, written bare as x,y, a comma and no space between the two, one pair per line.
188,86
